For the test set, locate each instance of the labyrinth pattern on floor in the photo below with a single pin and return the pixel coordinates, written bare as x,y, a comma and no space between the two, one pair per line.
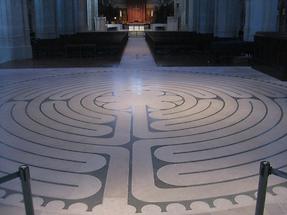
148,142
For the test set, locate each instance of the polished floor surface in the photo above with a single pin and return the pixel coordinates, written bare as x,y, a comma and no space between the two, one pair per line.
141,139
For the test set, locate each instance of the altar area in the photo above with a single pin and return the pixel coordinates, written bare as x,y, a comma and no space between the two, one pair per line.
136,17
138,26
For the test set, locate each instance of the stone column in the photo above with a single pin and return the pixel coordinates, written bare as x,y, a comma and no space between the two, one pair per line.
184,14
66,17
191,16
175,7
46,19
202,20
92,13
14,31
261,15
227,18
81,20
181,13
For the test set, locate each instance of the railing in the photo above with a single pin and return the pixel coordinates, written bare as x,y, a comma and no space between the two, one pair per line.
264,172
24,174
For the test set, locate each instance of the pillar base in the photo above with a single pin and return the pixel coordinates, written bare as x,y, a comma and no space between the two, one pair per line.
15,53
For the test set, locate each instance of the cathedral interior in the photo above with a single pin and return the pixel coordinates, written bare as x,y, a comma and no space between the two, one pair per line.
143,107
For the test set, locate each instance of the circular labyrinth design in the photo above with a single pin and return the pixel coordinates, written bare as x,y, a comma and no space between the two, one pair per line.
94,141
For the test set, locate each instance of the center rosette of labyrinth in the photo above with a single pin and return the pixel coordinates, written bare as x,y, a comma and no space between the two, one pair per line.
146,96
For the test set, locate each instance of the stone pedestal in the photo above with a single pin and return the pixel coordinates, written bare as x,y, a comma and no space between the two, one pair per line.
92,12
118,27
261,15
175,7
14,31
181,13
46,25
227,18
158,27
100,24
172,23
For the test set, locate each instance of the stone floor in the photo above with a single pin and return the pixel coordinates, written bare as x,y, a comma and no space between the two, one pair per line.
141,139
137,54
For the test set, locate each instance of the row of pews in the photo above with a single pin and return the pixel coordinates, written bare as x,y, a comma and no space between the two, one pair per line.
267,53
226,49
218,49
80,45
270,53
165,42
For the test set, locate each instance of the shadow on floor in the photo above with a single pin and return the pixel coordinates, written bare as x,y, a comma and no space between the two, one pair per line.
279,73
103,61
199,59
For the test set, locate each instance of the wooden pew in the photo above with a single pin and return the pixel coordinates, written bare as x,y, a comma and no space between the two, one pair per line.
48,48
87,44
101,42
225,50
168,42
271,52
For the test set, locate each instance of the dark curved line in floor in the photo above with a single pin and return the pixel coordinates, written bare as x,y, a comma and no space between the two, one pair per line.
199,112
172,137
218,111
231,155
80,114
177,112
62,123
200,141
241,120
12,117
52,147
40,167
237,165
63,114
281,117
40,155
225,181
64,132
84,107
46,182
